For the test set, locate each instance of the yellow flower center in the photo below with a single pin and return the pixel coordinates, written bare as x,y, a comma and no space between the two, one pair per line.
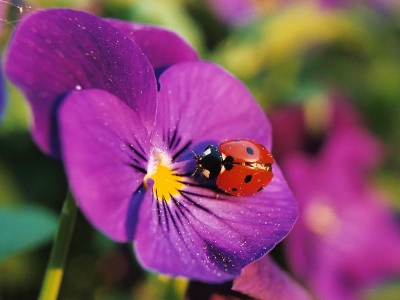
166,183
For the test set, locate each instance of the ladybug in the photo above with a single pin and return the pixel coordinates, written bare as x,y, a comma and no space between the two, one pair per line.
241,167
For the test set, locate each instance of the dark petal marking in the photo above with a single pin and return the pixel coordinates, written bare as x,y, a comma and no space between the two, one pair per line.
172,217
211,188
171,142
177,141
139,188
181,207
220,255
248,178
164,204
185,147
158,209
138,153
141,149
203,186
182,213
182,175
185,195
178,216
178,212
137,168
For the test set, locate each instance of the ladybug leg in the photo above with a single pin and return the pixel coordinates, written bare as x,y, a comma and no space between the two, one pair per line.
198,167
205,178
196,157
195,175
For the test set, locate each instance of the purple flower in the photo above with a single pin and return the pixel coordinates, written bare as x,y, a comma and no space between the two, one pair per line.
242,12
126,138
3,10
380,5
55,51
233,12
2,95
346,239
264,280
261,280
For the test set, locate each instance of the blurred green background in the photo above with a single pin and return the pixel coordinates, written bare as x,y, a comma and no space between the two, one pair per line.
287,53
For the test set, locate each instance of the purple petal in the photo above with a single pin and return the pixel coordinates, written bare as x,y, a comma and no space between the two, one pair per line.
210,237
161,46
199,101
105,149
2,95
349,154
264,280
55,51
345,233
288,130
234,12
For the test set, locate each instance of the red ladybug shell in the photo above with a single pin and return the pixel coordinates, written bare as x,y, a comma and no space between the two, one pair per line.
246,167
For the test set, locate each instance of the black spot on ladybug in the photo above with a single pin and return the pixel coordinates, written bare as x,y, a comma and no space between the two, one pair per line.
228,163
229,159
248,178
234,189
250,150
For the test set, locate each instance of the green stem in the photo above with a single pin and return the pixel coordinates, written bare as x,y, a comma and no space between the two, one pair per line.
55,268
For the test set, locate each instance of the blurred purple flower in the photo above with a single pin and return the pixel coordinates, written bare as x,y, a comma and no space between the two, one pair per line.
233,12
242,12
53,52
380,5
3,10
2,95
346,238
126,140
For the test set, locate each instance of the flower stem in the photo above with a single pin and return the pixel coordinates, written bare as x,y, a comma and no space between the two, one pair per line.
55,268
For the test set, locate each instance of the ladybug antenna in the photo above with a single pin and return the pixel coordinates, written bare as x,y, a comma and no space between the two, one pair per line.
196,157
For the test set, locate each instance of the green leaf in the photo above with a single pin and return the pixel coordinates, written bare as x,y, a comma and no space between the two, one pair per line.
24,228
387,291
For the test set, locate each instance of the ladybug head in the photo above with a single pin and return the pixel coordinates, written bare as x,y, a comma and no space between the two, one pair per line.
209,163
